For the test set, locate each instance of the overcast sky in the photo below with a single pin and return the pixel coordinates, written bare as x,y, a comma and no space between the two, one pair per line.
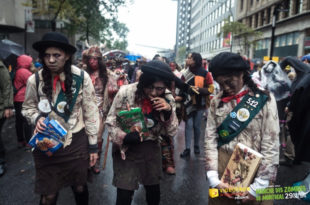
151,23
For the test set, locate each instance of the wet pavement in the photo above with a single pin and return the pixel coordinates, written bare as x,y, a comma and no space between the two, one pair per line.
187,187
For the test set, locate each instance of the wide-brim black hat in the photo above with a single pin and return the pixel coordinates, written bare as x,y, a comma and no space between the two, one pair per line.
158,68
54,39
226,63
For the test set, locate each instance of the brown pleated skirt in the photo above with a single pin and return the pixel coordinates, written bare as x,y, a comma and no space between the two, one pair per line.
143,165
66,167
223,159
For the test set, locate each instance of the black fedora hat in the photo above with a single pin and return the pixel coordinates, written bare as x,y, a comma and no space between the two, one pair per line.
54,39
158,68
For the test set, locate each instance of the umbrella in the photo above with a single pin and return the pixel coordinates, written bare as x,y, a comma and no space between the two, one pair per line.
114,54
8,48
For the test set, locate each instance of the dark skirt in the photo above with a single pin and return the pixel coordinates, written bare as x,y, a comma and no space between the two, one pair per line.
142,165
66,167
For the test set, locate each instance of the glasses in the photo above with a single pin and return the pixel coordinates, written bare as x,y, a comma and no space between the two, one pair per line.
157,89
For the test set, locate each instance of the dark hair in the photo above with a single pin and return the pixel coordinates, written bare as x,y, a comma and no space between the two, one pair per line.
146,81
156,57
103,75
47,79
176,65
197,59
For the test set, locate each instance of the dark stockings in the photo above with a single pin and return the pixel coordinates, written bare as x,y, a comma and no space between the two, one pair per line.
152,194
49,199
124,197
80,194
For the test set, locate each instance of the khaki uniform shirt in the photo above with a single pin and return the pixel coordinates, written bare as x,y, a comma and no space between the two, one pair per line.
85,112
127,94
261,134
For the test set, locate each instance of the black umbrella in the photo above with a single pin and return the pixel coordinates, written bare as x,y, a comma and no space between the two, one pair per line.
8,48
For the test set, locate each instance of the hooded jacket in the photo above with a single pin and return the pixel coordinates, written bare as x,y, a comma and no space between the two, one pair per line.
22,74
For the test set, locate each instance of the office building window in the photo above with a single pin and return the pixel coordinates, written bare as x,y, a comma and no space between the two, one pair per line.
268,12
241,5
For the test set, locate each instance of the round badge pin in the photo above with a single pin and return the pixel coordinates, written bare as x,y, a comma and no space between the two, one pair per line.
233,114
44,106
61,106
150,123
243,114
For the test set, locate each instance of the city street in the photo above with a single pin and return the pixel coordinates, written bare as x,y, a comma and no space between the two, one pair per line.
188,186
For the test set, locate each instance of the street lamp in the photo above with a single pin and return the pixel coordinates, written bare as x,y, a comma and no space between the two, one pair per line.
278,8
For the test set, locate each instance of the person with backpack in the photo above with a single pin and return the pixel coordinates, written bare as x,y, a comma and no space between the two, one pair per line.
23,129
65,93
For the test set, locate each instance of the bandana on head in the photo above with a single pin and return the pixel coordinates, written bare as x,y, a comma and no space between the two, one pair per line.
94,51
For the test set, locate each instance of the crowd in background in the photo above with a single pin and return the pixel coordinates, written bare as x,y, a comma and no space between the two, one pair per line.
187,92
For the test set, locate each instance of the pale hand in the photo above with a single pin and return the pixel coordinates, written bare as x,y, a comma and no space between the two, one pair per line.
160,104
40,126
8,113
92,159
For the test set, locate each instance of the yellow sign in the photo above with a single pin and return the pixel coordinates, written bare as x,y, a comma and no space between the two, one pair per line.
213,193
274,58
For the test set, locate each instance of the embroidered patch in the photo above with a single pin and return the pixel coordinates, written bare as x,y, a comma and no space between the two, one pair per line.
243,114
233,114
224,133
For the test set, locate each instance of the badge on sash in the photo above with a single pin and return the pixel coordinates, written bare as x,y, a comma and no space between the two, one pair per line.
61,106
243,114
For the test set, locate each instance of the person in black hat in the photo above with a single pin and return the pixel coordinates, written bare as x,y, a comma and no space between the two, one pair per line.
137,154
240,113
65,93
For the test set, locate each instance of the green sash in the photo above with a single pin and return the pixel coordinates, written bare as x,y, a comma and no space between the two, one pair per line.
240,117
60,104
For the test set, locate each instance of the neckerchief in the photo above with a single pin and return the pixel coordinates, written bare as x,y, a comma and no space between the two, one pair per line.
236,97
56,79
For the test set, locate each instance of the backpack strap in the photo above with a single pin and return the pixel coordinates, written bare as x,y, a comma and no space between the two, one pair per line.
37,84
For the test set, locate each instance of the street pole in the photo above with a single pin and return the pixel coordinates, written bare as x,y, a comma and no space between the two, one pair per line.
25,34
276,10
231,35
273,28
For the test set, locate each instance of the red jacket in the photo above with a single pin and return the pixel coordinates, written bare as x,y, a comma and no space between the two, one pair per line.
21,76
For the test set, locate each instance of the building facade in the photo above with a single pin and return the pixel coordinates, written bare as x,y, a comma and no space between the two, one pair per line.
207,19
183,27
203,20
292,28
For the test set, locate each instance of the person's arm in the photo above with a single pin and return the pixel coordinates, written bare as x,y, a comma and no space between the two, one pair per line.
90,113
267,170
115,133
209,89
6,88
171,121
211,151
30,106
